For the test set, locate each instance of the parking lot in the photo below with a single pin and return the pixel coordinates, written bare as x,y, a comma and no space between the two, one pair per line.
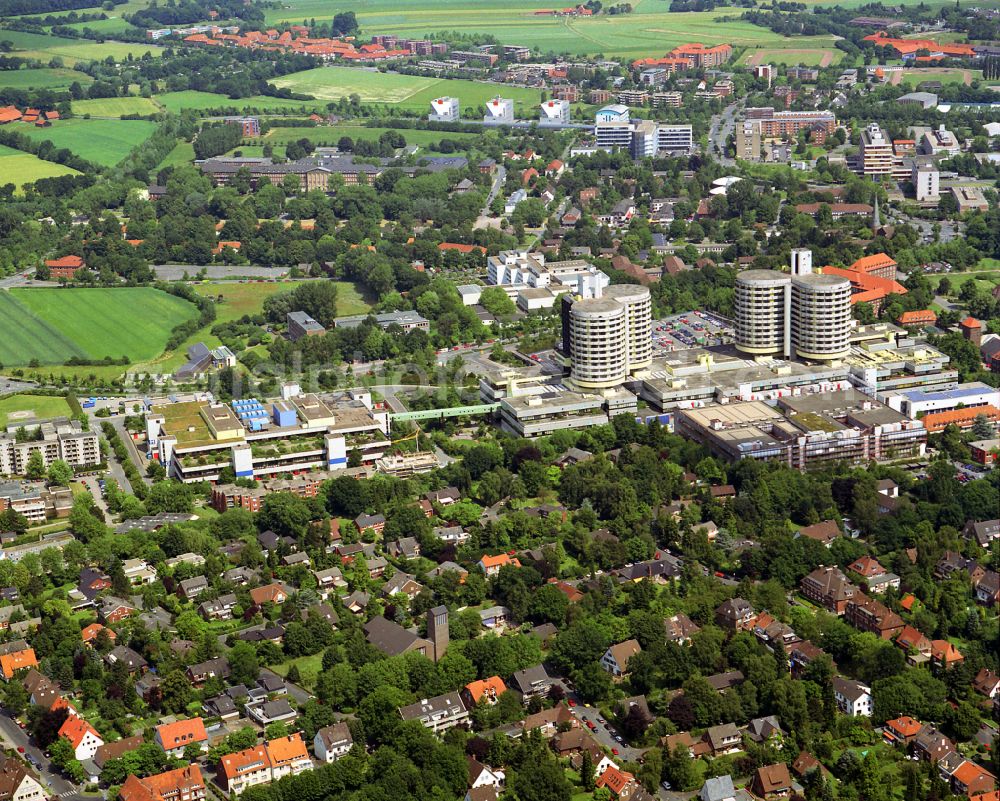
688,330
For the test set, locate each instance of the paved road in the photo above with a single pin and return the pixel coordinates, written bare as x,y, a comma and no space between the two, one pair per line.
718,134
9,385
497,185
11,733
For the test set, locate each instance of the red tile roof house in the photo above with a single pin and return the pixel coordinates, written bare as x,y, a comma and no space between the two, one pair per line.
82,736
173,738
969,779
64,267
828,587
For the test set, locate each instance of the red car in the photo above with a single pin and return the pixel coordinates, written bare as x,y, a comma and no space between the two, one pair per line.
614,751
20,749
571,702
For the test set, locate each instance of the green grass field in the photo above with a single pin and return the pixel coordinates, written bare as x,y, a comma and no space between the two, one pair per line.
71,51
42,78
114,107
104,142
20,168
183,153
406,91
945,76
649,30
54,325
17,408
109,26
329,134
792,56
175,102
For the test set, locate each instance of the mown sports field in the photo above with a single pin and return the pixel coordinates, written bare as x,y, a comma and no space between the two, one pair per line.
329,84
54,325
114,107
104,142
20,168
17,408
648,31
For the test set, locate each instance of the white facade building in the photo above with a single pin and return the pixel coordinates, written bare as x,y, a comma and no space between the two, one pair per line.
444,109
499,111
553,112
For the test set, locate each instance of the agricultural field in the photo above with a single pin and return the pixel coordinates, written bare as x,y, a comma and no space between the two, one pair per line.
329,84
20,168
17,408
114,107
54,325
71,51
175,102
42,78
109,26
649,30
104,142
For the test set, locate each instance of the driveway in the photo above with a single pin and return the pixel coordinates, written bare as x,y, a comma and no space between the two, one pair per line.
300,695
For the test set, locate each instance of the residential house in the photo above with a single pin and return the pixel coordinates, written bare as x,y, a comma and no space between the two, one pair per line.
89,634
988,589
264,713
914,644
620,783
217,668
221,706
115,750
329,580
901,731
481,775
491,565
930,745
951,563
370,523
724,739
945,655
771,781
984,532
15,656
853,698
680,629
219,609
173,738
403,548
402,584
437,714
82,737
718,788
867,567
825,533
242,769
288,756
987,683
486,691
828,587
495,617
17,783
182,784
615,659
332,742
766,730
720,682
969,779
444,497
736,614
269,594
532,682
114,610
867,614
138,572
122,655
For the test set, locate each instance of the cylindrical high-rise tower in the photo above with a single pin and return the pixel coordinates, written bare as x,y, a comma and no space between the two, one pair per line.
639,322
821,316
762,304
598,331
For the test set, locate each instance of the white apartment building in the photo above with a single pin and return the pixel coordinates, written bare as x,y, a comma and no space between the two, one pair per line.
60,438
554,112
608,338
926,181
876,151
444,109
499,111
516,270
853,698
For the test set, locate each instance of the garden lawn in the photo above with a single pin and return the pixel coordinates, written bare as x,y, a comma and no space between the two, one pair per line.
54,325
42,78
114,106
20,168
309,668
25,407
104,142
